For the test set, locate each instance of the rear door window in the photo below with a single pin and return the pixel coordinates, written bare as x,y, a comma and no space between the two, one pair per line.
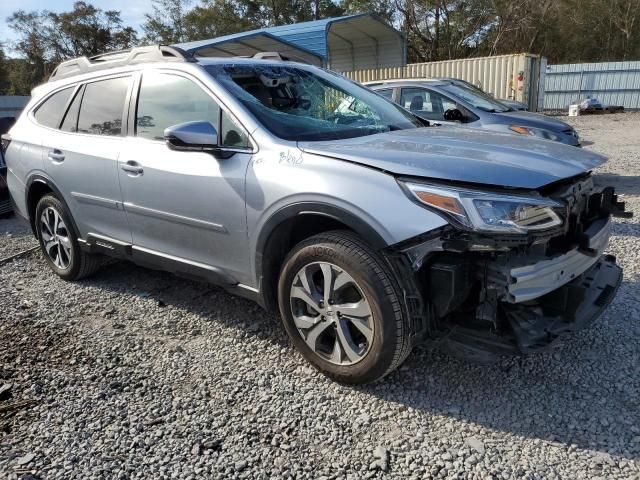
102,107
426,103
50,112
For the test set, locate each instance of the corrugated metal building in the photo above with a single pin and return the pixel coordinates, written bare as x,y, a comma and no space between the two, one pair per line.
351,42
613,83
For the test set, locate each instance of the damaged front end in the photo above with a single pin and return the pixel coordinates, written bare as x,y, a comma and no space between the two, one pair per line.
483,295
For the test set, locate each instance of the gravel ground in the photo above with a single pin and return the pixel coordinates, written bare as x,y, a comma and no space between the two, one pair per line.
14,237
138,374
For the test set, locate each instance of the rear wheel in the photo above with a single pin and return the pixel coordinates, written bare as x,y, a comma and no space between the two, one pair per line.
341,308
59,242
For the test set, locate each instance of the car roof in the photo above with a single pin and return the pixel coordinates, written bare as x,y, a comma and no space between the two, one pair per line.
159,54
84,69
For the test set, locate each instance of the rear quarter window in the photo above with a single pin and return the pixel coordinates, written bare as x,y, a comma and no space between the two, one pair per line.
50,112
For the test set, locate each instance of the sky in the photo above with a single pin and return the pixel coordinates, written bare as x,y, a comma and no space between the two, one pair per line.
131,11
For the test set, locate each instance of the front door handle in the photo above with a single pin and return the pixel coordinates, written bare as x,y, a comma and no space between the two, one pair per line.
132,168
56,156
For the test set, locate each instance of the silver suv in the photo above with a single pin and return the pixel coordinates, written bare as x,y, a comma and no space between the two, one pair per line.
295,187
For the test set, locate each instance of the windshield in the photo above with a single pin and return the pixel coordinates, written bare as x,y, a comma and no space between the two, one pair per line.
297,104
479,100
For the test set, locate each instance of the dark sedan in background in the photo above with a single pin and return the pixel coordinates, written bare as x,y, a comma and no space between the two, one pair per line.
5,202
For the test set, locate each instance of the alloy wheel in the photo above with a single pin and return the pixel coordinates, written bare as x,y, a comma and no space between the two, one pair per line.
55,237
332,313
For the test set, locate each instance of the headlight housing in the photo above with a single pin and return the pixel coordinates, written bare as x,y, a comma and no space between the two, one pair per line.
485,211
534,132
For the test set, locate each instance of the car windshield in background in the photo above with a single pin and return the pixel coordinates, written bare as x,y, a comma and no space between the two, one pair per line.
477,99
297,104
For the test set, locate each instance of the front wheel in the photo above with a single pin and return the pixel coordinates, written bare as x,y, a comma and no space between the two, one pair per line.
341,308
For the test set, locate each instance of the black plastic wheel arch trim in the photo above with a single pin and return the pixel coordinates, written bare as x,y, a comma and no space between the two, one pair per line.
39,178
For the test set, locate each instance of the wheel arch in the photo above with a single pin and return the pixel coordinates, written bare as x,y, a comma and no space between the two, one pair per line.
38,186
292,224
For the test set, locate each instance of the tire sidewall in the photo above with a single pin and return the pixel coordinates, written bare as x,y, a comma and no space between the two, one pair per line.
384,308
50,201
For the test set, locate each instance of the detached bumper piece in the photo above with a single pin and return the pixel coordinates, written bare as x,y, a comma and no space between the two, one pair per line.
572,307
535,326
532,281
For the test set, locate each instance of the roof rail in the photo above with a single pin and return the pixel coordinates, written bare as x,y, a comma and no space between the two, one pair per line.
152,53
278,56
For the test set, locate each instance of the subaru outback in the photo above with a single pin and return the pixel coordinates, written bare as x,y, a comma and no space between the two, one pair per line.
368,230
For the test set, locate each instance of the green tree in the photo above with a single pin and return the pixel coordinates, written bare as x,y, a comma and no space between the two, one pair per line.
172,21
215,18
166,24
268,13
443,29
4,72
385,9
46,38
33,67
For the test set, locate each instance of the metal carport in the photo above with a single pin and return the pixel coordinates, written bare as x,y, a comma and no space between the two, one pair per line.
248,44
352,42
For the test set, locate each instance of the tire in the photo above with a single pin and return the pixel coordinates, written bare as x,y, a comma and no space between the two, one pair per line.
359,334
60,246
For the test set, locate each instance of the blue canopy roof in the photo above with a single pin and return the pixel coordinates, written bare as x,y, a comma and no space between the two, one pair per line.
352,41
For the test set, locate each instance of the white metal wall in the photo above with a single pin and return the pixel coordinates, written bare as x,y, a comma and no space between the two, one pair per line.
362,53
613,83
497,75
363,43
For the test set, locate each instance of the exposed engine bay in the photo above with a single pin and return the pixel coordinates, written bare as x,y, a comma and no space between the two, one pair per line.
488,295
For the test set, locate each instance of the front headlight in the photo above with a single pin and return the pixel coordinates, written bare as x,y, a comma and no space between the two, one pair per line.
488,212
534,132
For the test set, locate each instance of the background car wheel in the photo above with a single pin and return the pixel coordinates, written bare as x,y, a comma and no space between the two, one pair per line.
341,308
59,242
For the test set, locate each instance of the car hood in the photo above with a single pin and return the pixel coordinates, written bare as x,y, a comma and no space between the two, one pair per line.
518,106
531,119
463,155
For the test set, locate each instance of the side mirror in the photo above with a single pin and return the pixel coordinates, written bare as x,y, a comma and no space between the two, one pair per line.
197,136
453,115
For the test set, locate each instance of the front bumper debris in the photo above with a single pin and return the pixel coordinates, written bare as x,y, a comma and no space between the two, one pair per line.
533,281
537,327
481,296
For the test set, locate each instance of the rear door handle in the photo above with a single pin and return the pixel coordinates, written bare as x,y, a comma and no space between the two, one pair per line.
56,156
132,168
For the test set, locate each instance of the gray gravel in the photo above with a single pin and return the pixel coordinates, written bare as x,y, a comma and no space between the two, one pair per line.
138,374
13,238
